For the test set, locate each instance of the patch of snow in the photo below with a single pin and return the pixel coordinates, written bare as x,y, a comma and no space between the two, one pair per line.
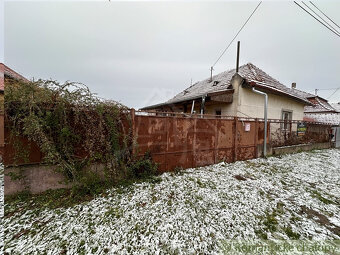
194,211
1,207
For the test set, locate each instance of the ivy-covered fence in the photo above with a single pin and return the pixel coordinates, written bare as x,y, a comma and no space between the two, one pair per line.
67,126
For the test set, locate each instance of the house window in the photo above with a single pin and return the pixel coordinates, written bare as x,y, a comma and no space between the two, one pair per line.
218,113
286,117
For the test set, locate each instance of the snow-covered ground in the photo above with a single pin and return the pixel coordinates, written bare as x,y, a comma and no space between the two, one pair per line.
1,207
194,211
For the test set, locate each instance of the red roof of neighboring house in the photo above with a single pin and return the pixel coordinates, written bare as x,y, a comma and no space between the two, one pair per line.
2,82
6,71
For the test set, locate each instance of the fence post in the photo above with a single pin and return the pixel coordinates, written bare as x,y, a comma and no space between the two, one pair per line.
256,136
167,143
2,135
133,129
216,140
235,138
194,144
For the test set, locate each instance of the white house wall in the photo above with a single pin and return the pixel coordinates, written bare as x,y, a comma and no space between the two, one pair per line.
252,104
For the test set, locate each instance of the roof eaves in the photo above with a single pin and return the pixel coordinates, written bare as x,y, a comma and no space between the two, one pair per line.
330,108
270,88
170,103
186,99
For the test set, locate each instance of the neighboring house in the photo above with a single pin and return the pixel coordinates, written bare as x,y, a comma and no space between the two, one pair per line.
336,106
230,93
2,82
324,112
320,110
7,74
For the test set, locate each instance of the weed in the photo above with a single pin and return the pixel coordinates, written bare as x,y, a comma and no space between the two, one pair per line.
270,222
291,234
142,167
261,234
114,212
324,200
283,182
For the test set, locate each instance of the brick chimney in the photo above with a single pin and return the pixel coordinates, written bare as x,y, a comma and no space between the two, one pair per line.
294,85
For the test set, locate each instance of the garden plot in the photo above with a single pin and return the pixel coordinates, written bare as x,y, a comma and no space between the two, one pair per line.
294,196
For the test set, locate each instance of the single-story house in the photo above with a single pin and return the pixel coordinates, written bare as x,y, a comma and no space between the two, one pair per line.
336,106
230,93
320,110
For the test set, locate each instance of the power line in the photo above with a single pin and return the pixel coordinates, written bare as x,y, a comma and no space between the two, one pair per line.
317,19
329,89
330,26
236,35
324,14
333,93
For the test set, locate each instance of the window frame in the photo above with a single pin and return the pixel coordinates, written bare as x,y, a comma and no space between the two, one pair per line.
285,124
218,110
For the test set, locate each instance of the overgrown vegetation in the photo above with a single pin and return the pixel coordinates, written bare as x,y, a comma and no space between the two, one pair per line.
73,130
315,133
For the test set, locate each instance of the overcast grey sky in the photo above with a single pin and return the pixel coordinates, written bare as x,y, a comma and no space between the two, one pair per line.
141,53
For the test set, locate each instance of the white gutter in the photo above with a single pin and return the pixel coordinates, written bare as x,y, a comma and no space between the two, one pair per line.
192,107
202,105
265,120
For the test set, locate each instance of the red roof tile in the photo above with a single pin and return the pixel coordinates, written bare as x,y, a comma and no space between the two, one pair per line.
6,71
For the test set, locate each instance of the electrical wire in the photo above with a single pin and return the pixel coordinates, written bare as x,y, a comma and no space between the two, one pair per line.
317,19
324,14
333,93
329,25
236,35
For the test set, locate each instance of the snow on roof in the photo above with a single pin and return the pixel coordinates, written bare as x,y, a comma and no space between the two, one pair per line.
304,94
222,81
336,106
319,106
331,118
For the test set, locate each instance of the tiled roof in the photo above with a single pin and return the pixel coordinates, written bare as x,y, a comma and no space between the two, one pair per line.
261,78
336,106
303,93
5,70
2,72
222,81
331,118
319,105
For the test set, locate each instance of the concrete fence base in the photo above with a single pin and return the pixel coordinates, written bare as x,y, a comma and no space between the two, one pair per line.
39,178
299,148
33,178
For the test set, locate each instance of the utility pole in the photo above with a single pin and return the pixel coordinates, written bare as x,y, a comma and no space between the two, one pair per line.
238,56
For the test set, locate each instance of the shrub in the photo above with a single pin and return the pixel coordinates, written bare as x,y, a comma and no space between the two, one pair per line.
142,167
73,129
